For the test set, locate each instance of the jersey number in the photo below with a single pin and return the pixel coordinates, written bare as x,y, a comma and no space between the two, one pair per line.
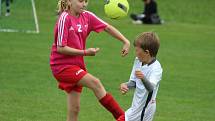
79,28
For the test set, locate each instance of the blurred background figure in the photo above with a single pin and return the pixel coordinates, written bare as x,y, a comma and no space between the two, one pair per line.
149,15
7,3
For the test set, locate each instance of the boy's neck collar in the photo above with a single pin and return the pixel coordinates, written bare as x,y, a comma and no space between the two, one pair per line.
151,62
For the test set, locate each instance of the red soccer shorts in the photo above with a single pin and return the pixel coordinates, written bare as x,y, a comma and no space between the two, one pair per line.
69,77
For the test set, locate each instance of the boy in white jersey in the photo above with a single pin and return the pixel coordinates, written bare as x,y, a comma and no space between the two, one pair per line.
145,78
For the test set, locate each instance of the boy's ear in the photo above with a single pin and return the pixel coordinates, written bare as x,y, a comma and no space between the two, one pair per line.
147,51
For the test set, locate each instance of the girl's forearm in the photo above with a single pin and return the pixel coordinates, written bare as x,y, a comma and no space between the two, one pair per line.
116,34
70,51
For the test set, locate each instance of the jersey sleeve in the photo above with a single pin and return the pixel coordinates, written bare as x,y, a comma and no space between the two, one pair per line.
156,76
63,30
96,24
132,76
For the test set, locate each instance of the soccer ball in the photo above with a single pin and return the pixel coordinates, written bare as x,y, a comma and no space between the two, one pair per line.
116,9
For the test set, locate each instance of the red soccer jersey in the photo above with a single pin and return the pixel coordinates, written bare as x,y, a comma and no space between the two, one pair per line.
73,31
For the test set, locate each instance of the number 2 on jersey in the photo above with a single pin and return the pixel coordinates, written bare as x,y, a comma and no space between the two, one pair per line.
79,27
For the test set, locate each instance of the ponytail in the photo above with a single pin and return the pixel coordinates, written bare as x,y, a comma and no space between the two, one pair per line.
62,6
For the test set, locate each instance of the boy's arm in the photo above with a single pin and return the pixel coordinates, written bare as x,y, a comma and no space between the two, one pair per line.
116,34
131,84
125,87
151,82
148,85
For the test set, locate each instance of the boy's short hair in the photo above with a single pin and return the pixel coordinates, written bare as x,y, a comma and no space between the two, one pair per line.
148,41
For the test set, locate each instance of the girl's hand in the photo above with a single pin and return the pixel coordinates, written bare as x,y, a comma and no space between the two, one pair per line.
123,88
91,51
125,49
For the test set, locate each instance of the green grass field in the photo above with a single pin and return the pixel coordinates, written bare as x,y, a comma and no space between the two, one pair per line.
28,92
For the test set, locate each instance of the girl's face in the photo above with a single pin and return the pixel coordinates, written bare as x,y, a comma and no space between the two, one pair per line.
78,6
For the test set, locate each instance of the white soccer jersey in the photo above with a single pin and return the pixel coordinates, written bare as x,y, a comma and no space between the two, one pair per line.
143,105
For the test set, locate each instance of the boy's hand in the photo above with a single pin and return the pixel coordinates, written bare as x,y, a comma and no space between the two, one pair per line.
91,51
139,74
124,88
125,49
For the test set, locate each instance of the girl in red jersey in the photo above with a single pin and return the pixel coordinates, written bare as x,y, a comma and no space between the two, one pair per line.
67,56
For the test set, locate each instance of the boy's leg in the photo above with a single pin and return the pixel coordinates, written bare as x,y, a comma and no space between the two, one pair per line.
73,105
104,98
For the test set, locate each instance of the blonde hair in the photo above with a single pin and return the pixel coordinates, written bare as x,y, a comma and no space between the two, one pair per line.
63,5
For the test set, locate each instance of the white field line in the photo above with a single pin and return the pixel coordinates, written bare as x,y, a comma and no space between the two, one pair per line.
35,16
16,30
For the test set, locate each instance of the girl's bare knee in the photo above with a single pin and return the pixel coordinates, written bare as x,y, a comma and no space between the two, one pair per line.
96,84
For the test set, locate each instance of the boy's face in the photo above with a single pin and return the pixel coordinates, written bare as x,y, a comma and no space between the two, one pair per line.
143,55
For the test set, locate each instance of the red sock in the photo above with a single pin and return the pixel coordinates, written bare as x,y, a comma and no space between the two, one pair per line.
111,105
